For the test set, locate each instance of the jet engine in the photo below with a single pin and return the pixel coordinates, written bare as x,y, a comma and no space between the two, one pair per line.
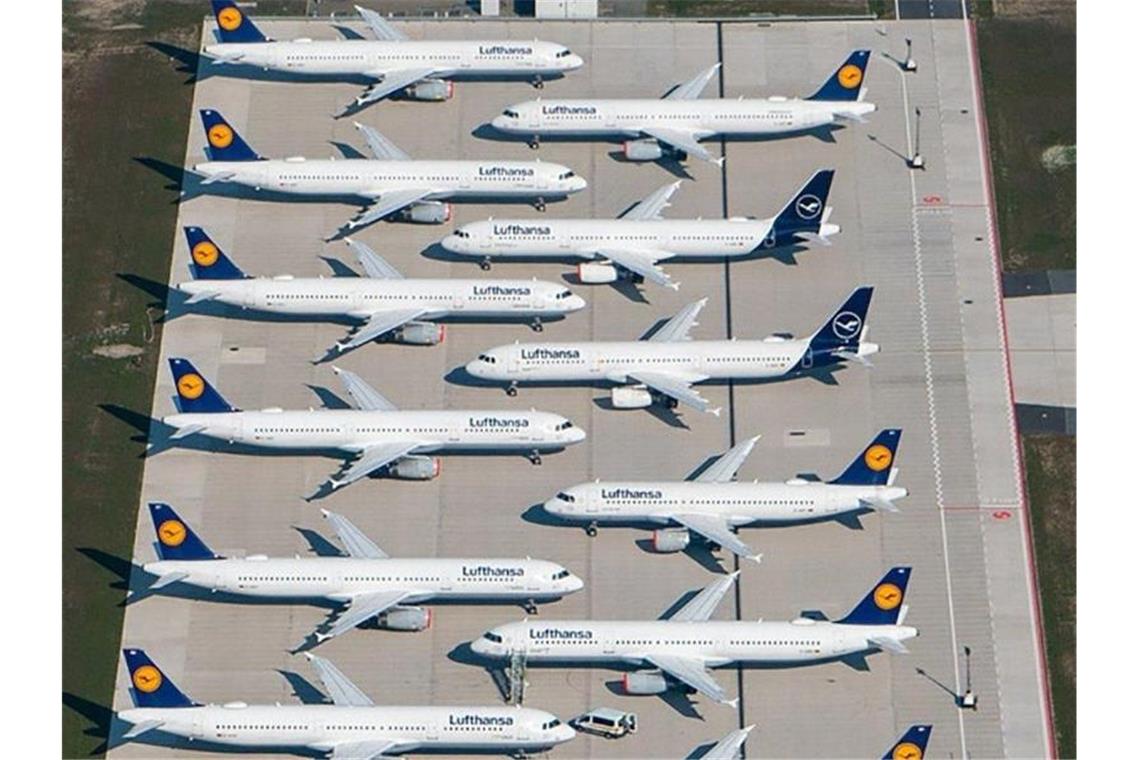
642,150
631,398
669,540
427,212
415,468
644,682
404,619
594,273
431,89
419,334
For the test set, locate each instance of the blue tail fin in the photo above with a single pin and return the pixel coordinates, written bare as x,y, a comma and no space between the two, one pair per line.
175,538
207,260
882,604
195,395
912,745
233,24
873,465
149,686
847,81
804,212
844,328
223,141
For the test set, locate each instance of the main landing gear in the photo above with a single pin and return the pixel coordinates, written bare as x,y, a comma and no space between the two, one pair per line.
540,205
513,388
536,324
485,263
592,529
532,143
534,457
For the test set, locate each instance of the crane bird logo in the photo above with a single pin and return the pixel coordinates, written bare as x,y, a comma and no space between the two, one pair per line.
887,596
850,76
205,254
808,206
906,751
172,533
147,678
220,136
191,386
846,325
878,457
229,18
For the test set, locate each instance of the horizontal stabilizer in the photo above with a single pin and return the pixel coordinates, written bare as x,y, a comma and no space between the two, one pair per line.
186,431
888,644
203,295
876,503
142,727
168,579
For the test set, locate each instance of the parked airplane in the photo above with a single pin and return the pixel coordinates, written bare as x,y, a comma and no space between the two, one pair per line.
365,584
384,303
680,119
353,727
665,366
632,245
712,504
415,69
728,748
389,182
681,649
378,436
911,745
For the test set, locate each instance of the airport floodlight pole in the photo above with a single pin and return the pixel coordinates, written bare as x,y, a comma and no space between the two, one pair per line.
909,64
969,700
916,161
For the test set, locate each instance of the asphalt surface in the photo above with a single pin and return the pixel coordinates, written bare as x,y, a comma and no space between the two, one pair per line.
921,238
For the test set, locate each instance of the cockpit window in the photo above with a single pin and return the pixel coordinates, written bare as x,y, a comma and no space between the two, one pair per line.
551,724
486,358
564,425
511,113
493,637
562,53
563,573
565,175
563,496
563,294
461,234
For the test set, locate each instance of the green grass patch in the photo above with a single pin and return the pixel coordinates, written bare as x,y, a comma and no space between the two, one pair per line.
1051,471
1029,73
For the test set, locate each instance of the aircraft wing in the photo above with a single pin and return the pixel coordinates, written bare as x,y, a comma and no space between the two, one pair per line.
728,748
717,531
701,606
355,542
343,691
682,322
379,323
691,672
373,263
683,140
371,459
367,398
386,204
382,148
366,750
381,28
694,87
641,261
676,387
651,206
361,608
723,470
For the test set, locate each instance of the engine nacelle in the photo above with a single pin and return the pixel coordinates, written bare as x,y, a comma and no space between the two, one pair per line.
431,89
669,540
631,398
642,150
419,334
427,212
415,468
644,683
593,273
405,619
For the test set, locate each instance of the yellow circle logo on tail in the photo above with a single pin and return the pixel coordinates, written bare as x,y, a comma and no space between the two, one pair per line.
229,18
888,596
204,254
906,751
878,457
220,136
172,533
147,678
850,76
191,386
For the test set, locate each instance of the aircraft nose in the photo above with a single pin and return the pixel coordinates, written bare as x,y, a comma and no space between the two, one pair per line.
576,434
575,303
553,506
563,733
501,122
475,368
575,583
452,243
578,184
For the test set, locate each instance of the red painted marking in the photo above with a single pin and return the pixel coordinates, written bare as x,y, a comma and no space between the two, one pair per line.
1002,514
932,200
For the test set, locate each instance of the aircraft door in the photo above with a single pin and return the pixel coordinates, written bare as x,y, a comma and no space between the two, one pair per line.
807,360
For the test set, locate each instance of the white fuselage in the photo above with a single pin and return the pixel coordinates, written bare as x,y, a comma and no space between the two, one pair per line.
717,643
448,59
352,430
322,727
583,238
360,297
612,361
736,503
370,178
705,118
339,579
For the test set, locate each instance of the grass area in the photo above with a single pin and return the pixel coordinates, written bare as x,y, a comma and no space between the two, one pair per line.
728,8
1051,470
122,100
1029,71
